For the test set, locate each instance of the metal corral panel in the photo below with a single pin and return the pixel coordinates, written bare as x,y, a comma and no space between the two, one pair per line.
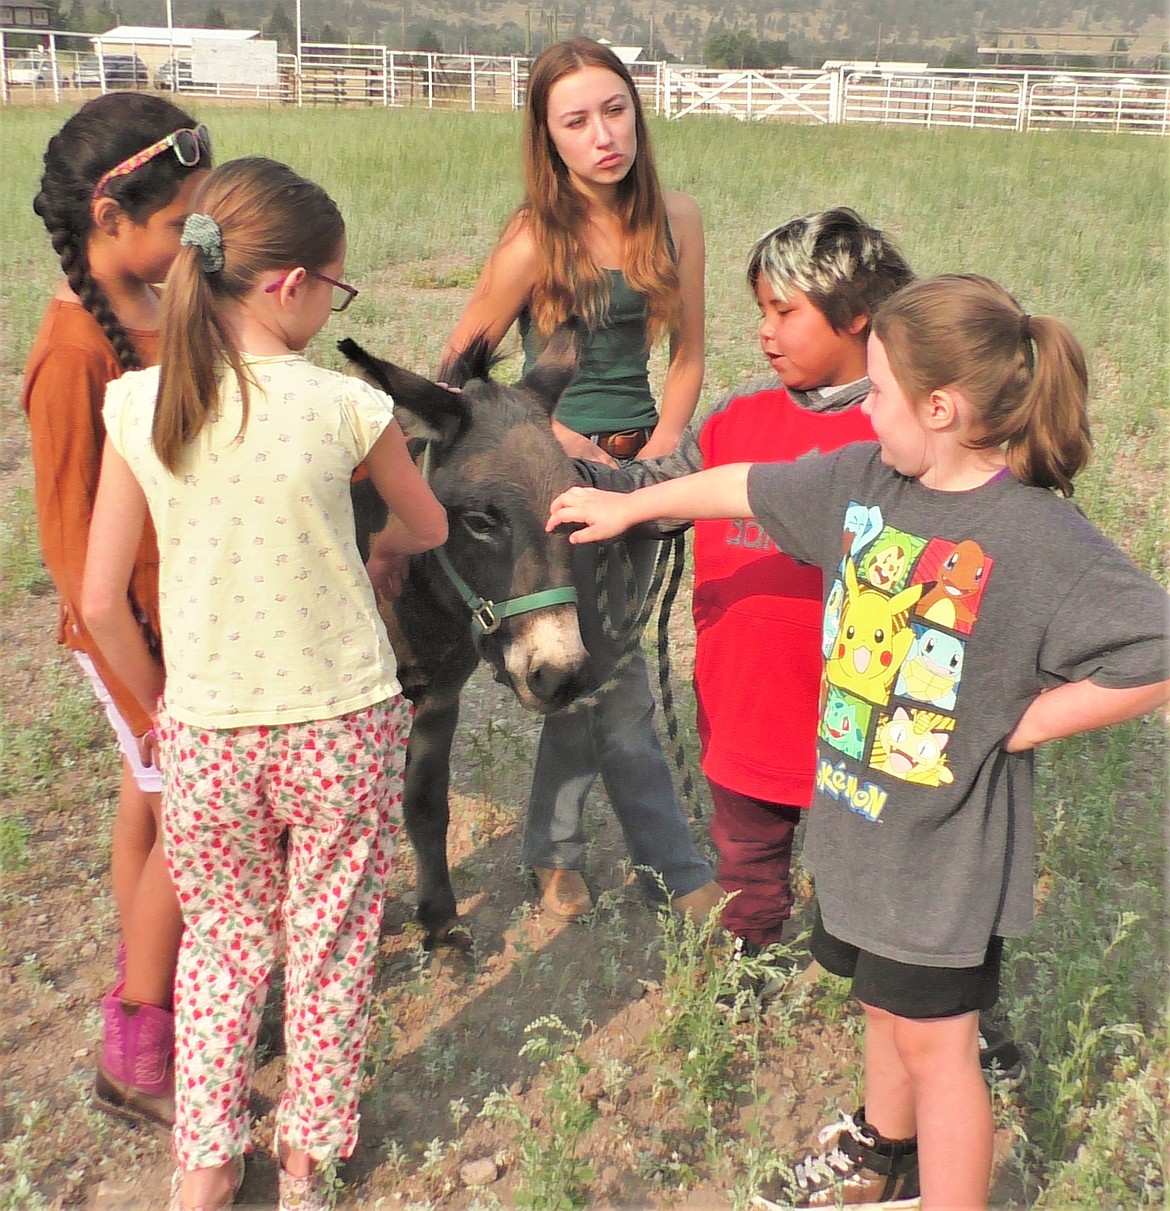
928,100
1126,105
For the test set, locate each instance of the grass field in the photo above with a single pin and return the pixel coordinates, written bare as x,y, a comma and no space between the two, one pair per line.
1075,226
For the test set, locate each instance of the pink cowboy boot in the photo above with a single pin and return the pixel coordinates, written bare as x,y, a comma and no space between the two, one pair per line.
136,1077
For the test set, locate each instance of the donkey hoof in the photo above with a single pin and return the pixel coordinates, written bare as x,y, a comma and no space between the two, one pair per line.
453,935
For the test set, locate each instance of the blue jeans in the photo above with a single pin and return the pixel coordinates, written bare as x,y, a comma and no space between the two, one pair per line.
617,739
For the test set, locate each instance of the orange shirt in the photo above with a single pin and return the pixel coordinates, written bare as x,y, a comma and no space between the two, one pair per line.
65,381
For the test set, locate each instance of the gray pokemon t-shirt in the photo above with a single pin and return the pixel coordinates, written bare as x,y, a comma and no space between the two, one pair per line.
945,614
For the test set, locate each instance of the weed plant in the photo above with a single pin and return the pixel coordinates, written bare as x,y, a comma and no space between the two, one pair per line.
695,1048
554,1174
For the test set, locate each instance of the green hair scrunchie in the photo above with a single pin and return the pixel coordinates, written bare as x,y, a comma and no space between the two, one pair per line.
203,232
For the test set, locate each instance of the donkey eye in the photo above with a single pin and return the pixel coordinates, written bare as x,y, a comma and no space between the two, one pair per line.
478,525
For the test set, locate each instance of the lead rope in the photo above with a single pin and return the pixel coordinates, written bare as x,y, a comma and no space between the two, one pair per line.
678,551
626,634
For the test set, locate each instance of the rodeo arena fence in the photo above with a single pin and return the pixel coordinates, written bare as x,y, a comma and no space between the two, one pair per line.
881,94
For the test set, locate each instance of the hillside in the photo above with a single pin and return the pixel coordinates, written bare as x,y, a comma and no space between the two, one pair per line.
812,29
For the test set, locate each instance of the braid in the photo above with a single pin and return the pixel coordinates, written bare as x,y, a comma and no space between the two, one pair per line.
101,134
70,249
93,299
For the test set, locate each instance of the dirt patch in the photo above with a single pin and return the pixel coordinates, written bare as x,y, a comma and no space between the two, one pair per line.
447,1031
615,1116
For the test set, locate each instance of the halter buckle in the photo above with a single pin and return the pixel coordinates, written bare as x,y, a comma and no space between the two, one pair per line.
485,617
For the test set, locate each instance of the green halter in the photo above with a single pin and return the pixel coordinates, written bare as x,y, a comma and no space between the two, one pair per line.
486,615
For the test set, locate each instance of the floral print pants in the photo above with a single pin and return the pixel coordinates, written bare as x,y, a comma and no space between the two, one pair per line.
333,787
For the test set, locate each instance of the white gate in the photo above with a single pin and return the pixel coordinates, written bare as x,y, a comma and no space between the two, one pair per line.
920,100
791,95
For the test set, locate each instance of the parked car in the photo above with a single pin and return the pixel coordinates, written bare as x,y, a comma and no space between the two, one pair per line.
125,71
36,68
87,73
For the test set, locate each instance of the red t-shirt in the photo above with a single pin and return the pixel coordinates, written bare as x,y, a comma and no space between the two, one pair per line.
758,612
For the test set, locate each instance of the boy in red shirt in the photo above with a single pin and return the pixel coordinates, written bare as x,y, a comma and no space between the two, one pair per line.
817,281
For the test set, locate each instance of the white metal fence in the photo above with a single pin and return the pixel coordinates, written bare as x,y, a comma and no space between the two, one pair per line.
885,94
1008,100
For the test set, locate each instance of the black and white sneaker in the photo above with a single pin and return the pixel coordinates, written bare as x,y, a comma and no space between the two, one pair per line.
858,1169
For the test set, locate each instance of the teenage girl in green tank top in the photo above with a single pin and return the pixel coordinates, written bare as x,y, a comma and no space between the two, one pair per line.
597,238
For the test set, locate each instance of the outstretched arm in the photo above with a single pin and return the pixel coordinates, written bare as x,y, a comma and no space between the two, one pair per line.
719,492
1081,706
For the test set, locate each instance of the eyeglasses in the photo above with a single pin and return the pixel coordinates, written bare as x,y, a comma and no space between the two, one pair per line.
190,146
343,293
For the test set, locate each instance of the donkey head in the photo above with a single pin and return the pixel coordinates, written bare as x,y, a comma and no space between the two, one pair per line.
495,466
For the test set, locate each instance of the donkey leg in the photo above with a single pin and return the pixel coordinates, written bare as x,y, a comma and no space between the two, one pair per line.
427,813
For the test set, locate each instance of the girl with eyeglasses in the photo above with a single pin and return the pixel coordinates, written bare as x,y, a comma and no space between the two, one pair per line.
279,711
117,185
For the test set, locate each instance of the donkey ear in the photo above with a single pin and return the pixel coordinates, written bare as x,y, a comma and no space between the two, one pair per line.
556,367
422,408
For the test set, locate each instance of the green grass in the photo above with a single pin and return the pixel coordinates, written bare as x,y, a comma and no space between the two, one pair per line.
21,570
1074,225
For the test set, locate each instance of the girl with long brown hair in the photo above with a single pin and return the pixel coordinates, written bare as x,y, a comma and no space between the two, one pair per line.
597,239
281,725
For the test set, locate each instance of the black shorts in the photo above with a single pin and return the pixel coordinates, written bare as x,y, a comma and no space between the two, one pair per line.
905,989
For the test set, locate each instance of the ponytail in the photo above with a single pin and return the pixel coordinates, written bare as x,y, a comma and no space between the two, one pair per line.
252,215
1046,438
1024,376
195,343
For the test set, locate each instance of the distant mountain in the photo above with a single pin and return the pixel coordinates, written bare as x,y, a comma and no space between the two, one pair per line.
812,30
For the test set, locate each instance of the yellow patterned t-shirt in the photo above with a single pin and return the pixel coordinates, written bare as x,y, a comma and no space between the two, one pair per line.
267,613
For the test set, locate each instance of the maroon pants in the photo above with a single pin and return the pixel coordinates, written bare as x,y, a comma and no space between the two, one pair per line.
754,840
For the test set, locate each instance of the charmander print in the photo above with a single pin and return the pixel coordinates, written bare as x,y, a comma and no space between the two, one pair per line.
959,571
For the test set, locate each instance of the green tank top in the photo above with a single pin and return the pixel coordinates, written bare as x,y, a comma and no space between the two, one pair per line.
611,391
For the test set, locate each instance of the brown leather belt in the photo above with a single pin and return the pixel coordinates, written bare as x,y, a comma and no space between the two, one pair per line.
625,444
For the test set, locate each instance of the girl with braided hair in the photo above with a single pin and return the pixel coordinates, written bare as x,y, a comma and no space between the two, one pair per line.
117,185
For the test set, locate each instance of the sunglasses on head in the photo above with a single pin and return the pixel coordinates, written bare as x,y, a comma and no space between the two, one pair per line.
343,293
190,145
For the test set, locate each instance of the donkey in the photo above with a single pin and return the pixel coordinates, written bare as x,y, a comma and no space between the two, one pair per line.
499,590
